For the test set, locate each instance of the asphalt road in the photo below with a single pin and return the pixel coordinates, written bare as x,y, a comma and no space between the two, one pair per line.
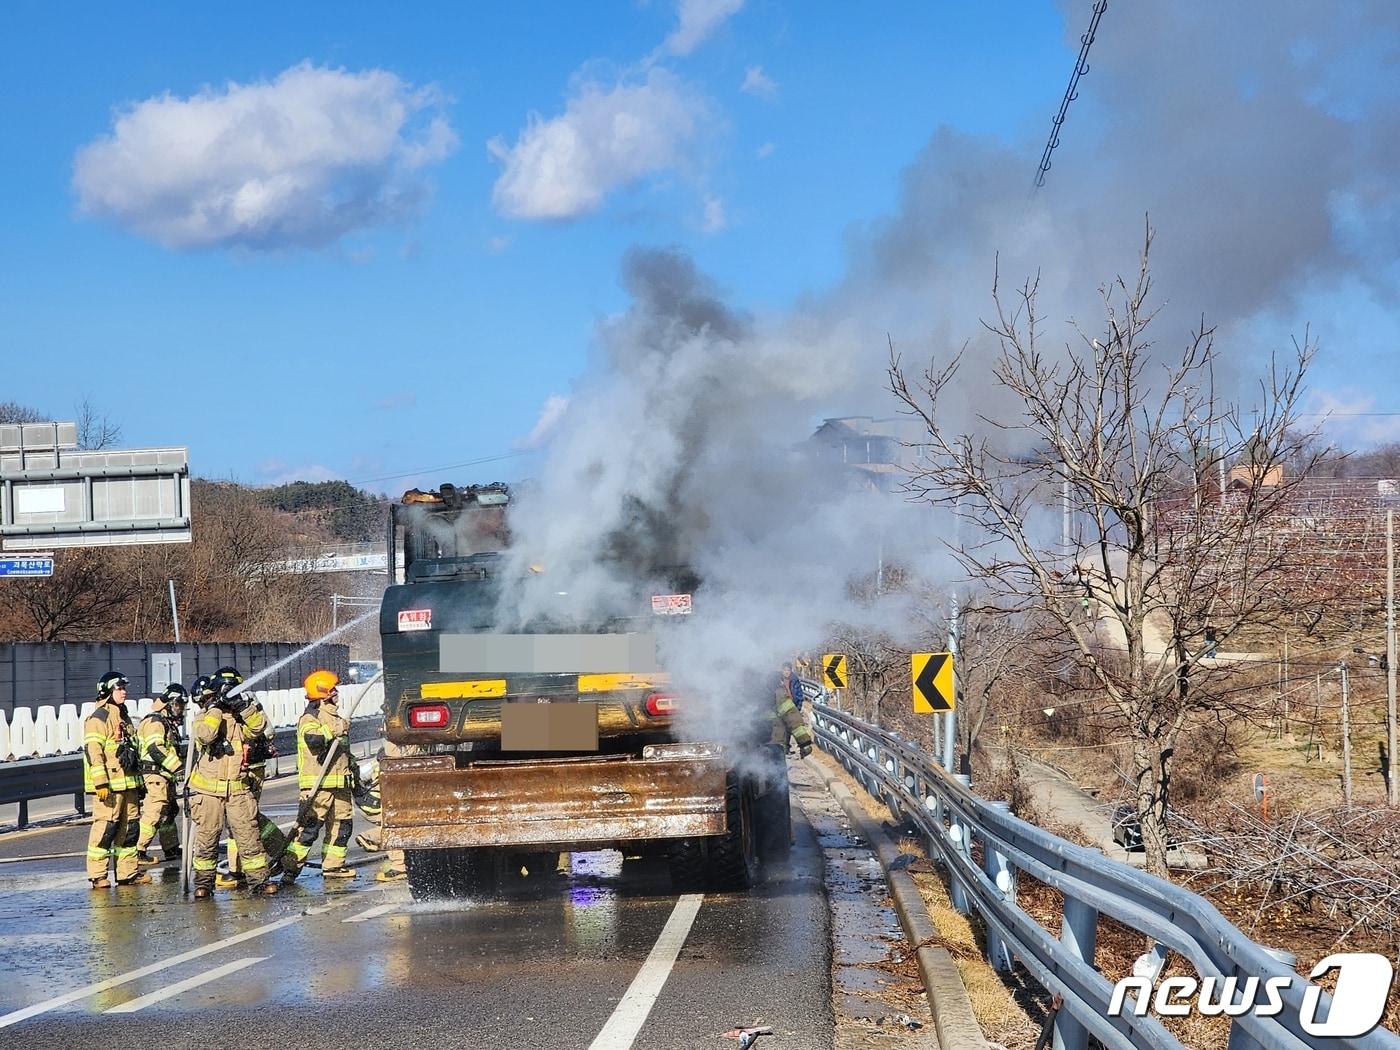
605,957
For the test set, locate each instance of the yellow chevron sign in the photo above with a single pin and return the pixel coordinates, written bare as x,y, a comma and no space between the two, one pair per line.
834,670
932,674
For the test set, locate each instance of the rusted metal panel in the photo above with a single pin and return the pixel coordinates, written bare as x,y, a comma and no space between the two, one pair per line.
571,803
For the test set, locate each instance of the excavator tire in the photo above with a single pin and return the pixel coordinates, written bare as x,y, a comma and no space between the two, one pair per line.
732,862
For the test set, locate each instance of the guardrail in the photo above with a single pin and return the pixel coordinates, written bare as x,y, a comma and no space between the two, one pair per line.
957,825
45,756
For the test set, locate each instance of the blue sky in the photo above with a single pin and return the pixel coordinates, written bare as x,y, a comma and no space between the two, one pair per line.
338,241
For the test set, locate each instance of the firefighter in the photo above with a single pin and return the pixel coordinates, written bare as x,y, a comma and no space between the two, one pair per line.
331,803
395,867
111,774
222,786
161,735
255,755
787,720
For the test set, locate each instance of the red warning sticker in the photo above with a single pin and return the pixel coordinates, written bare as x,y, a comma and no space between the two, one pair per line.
415,619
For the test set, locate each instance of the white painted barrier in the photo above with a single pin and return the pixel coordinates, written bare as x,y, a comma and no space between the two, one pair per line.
70,730
22,733
46,732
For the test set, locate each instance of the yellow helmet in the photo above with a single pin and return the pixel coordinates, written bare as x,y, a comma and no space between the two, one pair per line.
321,684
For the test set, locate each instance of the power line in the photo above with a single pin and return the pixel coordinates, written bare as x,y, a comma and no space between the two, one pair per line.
446,466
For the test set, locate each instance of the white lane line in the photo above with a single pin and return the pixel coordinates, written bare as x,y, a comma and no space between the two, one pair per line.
41,856
135,975
626,1021
373,913
184,986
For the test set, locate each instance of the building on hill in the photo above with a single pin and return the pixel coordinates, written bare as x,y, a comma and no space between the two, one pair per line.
874,453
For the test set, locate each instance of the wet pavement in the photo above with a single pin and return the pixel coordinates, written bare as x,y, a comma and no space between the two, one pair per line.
877,996
814,952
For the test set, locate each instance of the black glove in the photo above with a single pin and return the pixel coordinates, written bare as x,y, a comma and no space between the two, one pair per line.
237,703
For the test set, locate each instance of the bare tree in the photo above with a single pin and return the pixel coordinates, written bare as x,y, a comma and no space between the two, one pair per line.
83,599
14,412
1130,447
95,428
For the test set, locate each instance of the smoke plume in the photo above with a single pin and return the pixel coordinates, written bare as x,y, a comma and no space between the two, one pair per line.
1258,139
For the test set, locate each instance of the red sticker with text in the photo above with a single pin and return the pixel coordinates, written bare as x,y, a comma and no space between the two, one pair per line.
415,619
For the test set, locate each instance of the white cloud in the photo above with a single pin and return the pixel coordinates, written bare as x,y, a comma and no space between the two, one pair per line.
554,408
715,218
402,399
564,167
766,150
296,162
756,82
699,19
279,472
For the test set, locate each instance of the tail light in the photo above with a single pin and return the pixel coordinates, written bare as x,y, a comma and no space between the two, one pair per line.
428,716
657,704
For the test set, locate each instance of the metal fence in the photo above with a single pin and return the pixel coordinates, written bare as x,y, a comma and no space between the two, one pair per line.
33,674
984,847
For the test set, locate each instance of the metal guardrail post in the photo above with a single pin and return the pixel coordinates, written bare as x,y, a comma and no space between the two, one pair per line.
1003,876
1079,931
958,835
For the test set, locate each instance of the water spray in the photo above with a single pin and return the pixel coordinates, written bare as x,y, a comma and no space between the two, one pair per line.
257,676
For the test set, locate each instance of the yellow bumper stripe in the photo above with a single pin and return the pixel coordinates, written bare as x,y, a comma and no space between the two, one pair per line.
459,690
606,683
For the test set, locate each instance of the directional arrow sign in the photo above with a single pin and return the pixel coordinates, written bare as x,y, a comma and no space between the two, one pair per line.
933,681
834,670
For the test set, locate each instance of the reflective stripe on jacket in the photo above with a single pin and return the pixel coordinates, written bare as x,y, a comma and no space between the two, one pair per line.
787,719
322,724
102,731
159,746
218,767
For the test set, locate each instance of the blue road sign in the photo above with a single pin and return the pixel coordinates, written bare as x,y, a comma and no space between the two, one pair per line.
26,566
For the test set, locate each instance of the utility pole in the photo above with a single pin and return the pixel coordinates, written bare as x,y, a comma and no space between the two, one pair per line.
1346,737
174,613
1392,792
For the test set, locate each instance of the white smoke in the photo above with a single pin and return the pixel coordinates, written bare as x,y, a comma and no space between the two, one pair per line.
1260,142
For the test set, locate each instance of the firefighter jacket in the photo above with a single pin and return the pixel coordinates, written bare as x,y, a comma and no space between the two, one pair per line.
161,750
221,740
319,725
108,739
786,720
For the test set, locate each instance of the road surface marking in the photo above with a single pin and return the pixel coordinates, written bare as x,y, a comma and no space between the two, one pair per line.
373,913
40,856
185,985
113,982
626,1021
